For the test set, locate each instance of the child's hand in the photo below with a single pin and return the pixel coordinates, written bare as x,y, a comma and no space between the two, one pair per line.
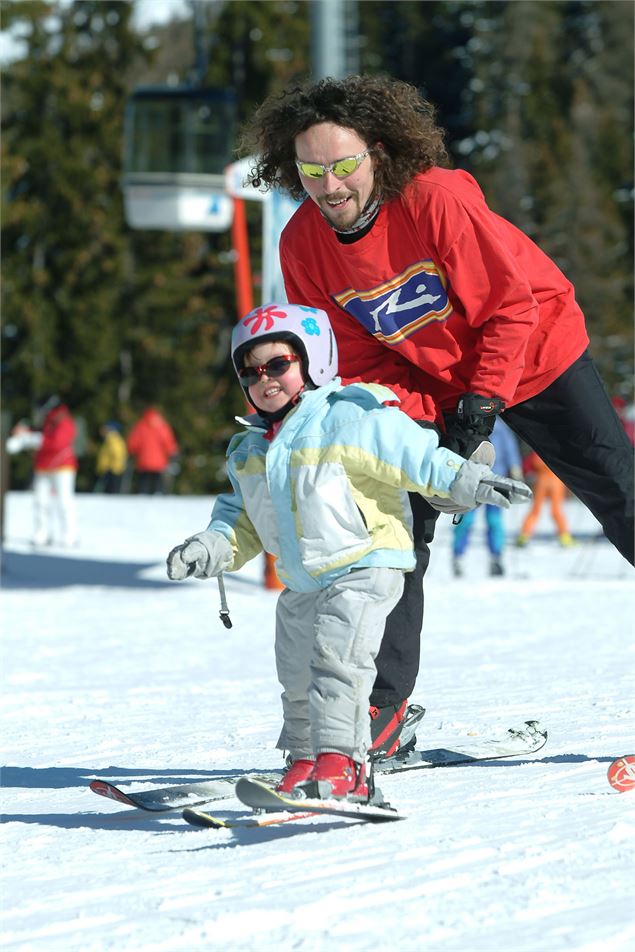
476,483
203,555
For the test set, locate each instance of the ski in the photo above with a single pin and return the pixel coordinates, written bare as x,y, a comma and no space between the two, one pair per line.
203,819
196,793
518,741
621,773
521,741
259,796
162,799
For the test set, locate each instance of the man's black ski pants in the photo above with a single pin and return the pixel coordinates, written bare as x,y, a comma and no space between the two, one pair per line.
574,428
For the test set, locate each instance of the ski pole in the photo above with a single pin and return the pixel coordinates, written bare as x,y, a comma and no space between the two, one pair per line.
224,610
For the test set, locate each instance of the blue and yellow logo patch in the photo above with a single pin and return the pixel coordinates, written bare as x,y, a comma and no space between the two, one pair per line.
397,309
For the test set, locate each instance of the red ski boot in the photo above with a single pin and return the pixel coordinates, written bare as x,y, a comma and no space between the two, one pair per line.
337,776
299,771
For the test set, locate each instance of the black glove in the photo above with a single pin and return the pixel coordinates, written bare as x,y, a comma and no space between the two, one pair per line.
471,424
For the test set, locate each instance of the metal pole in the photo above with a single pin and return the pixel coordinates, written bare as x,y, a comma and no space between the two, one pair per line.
201,42
327,39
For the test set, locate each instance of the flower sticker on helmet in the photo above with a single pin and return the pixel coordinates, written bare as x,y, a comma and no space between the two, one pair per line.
264,318
311,326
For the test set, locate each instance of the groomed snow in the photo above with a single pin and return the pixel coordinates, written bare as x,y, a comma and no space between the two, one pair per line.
111,671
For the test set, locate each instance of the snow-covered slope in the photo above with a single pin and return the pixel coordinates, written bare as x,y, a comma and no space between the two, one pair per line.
110,670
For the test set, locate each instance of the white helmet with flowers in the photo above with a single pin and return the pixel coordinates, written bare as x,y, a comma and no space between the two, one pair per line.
307,329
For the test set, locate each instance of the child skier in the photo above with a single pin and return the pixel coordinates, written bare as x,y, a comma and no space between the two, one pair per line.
320,479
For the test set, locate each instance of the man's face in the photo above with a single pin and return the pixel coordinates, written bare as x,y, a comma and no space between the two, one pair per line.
341,200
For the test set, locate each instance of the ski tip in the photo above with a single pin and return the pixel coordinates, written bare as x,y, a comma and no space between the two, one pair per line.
535,727
105,789
621,773
199,818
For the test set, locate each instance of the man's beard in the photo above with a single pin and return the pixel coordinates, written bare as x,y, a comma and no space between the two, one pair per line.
358,219
341,219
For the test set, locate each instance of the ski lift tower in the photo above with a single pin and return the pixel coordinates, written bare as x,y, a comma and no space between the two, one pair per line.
334,38
334,52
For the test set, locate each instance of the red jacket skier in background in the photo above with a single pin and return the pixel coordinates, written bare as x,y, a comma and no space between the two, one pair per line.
55,470
58,435
153,445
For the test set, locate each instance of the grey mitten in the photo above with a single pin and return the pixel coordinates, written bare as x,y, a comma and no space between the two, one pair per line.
484,453
203,555
476,483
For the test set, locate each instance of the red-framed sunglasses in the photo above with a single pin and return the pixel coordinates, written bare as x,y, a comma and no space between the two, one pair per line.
276,367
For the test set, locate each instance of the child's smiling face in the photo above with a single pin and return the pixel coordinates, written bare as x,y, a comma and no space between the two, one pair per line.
272,393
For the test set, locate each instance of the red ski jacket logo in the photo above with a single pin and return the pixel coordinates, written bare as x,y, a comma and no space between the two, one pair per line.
398,308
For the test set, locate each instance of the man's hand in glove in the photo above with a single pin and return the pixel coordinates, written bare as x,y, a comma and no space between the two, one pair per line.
472,423
203,555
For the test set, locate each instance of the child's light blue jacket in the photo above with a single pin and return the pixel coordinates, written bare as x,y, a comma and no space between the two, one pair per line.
330,492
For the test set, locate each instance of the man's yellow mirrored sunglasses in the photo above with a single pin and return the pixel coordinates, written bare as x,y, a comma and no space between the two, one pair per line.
340,169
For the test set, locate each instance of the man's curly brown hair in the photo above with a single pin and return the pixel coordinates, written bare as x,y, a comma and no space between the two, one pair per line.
379,109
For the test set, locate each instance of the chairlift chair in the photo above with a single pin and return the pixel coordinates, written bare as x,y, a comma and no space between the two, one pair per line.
177,142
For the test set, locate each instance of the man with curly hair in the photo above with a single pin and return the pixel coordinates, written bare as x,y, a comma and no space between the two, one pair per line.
434,295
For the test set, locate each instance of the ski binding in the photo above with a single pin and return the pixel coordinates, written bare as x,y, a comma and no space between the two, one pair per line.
260,796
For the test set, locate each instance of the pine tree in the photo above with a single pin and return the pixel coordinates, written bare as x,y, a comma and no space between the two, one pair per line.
551,145
183,300
537,98
109,318
63,240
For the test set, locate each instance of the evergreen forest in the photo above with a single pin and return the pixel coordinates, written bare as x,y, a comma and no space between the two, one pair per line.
537,100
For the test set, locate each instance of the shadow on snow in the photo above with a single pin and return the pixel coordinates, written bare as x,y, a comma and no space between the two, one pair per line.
42,570
37,570
129,820
58,778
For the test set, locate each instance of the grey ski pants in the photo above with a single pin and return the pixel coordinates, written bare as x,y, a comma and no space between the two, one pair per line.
326,645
